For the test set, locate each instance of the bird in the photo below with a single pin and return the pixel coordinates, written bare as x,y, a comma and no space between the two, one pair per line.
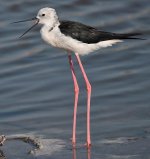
78,39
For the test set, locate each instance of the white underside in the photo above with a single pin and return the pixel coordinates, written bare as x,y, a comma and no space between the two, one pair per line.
59,40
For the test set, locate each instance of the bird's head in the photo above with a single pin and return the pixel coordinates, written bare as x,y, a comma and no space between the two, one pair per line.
45,16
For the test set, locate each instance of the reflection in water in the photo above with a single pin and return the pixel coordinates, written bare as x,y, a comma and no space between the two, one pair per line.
74,153
74,156
88,153
2,156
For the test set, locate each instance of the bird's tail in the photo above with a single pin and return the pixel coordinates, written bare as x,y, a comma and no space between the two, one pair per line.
130,36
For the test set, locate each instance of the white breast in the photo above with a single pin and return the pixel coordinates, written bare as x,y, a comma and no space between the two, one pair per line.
49,36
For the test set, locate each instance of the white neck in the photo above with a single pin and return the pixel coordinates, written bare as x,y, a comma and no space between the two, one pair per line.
52,21
50,26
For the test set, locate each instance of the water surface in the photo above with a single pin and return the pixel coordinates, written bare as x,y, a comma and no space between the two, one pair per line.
36,89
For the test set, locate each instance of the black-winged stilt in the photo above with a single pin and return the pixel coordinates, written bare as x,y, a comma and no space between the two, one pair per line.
77,38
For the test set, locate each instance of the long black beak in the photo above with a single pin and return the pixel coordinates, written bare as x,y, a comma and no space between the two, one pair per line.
36,23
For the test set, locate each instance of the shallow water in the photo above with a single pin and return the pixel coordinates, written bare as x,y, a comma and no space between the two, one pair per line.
36,89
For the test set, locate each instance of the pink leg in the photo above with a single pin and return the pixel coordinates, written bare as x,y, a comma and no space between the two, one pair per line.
88,86
76,90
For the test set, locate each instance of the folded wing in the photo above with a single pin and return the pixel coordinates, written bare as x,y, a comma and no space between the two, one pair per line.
90,35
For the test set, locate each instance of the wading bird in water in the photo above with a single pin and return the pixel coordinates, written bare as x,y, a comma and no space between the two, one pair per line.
78,39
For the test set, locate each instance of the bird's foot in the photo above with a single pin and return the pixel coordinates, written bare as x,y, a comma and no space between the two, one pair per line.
88,145
73,144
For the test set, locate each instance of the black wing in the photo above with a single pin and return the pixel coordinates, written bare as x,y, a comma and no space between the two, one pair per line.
88,34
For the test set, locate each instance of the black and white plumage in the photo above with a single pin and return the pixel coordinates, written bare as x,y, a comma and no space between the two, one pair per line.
74,36
88,34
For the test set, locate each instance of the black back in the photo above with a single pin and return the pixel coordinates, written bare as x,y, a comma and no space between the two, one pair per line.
88,34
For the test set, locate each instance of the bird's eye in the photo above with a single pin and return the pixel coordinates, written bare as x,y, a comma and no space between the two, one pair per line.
43,15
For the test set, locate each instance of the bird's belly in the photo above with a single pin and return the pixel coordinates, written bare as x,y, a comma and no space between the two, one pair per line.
56,41
49,39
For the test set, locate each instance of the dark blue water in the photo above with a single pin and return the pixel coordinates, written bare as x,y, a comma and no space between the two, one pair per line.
36,89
